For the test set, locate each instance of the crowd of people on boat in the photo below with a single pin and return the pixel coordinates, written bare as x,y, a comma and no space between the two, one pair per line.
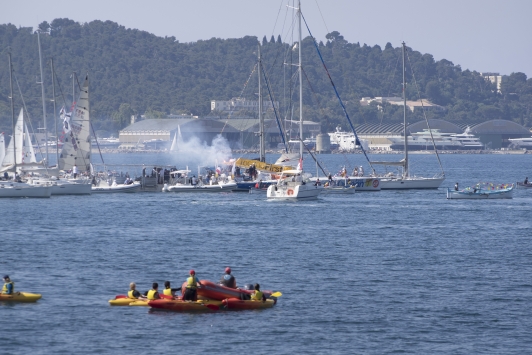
191,289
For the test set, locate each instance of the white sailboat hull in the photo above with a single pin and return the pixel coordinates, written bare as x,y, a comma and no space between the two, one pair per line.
118,188
410,183
9,189
291,192
202,188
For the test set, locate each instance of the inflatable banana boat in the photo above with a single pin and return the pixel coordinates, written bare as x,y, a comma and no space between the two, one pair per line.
237,304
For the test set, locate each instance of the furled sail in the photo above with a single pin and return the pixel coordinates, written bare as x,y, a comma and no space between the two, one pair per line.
77,139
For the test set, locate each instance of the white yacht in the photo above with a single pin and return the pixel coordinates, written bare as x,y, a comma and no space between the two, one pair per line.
346,141
443,141
522,142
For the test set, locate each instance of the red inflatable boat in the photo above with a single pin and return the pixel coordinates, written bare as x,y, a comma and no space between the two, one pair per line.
214,291
237,304
185,306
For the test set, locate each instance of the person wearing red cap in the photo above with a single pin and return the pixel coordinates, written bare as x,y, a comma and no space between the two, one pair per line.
191,291
227,279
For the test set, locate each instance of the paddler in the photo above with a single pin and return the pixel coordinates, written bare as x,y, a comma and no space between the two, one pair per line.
133,293
227,279
168,290
258,295
191,291
153,294
9,286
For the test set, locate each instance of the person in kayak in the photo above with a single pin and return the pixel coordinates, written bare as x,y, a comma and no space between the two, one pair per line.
168,290
153,294
227,279
258,295
191,291
133,293
9,286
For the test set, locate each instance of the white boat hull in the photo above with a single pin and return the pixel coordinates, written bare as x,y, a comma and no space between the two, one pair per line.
8,189
410,183
338,190
480,194
201,188
290,192
119,188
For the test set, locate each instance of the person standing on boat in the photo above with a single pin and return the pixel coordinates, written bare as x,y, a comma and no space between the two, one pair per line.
355,171
75,171
526,180
361,171
9,286
191,290
227,279
456,187
153,294
193,180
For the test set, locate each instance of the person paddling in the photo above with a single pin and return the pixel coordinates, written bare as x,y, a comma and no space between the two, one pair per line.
9,286
227,279
191,291
153,294
168,290
133,293
258,295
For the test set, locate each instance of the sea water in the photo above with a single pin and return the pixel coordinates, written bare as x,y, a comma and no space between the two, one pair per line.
372,273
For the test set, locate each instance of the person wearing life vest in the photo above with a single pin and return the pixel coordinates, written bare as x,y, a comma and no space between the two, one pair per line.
191,291
168,290
227,279
153,294
133,293
258,295
9,286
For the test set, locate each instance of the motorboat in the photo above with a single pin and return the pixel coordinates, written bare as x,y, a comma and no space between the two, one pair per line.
293,185
482,191
181,182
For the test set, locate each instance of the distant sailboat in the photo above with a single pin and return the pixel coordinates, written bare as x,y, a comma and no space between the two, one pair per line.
174,146
2,147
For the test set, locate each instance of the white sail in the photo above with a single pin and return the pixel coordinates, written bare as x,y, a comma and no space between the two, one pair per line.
173,147
2,147
77,141
25,155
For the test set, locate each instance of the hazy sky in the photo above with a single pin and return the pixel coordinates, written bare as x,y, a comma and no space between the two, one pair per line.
482,35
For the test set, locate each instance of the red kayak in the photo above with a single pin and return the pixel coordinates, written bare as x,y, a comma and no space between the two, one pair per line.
218,292
185,306
237,304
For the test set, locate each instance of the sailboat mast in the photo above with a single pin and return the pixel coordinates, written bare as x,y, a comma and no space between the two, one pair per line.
12,113
300,87
43,98
55,118
405,169
262,152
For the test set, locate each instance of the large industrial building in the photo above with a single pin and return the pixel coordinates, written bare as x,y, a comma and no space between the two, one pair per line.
241,133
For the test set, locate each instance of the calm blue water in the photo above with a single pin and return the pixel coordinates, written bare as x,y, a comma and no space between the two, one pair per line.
373,273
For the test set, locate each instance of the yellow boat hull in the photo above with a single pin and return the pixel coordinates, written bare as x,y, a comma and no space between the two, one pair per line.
20,297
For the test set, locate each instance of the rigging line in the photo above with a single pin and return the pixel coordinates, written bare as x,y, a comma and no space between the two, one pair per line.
424,113
273,105
337,94
322,16
277,18
29,121
241,93
97,144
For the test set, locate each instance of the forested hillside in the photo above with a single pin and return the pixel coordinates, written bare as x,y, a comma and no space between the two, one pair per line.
135,72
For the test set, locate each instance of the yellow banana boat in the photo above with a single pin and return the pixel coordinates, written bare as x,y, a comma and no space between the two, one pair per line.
20,297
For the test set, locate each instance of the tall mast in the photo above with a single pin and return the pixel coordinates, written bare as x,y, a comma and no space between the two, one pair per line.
262,152
73,89
300,87
55,118
405,169
12,114
43,99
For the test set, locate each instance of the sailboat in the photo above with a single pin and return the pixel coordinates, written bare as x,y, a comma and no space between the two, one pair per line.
291,184
406,181
173,147
16,188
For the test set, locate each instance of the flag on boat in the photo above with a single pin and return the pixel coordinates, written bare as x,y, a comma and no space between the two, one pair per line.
300,164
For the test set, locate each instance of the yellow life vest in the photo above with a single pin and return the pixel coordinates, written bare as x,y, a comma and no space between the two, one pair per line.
167,291
130,294
4,289
151,294
191,282
257,296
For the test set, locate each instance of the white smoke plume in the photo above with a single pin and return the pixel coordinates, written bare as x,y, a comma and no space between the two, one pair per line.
194,153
